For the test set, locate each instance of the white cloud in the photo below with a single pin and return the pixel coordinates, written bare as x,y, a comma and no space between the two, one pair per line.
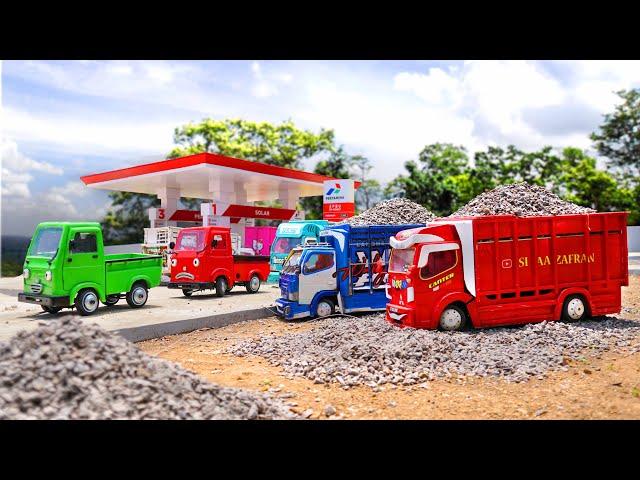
13,160
16,184
266,85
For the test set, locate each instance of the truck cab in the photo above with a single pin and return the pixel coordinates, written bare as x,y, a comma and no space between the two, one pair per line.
308,281
289,236
203,259
425,270
66,266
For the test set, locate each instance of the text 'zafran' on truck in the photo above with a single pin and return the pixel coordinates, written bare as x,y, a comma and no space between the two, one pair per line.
506,270
66,267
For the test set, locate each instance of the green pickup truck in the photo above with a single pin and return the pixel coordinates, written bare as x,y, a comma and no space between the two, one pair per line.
66,267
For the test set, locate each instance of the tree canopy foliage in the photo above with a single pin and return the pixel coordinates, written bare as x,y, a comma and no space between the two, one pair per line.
618,138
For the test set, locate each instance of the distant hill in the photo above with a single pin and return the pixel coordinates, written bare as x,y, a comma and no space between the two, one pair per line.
13,251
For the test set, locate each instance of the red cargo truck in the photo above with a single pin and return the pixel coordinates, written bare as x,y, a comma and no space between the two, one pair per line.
507,270
203,259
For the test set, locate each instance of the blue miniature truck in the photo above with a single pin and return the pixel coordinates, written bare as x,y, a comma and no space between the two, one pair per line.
288,236
346,269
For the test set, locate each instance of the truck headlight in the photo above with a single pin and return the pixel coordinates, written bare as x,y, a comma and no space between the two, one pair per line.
48,275
174,262
196,262
26,273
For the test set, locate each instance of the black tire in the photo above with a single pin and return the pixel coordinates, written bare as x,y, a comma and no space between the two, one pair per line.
453,319
253,285
221,286
138,295
51,310
111,300
87,301
325,308
187,292
574,308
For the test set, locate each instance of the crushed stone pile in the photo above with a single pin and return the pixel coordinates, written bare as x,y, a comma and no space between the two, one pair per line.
369,351
68,369
520,199
396,211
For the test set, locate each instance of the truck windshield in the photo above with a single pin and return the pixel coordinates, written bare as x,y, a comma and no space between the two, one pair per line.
292,262
401,259
190,241
285,244
46,242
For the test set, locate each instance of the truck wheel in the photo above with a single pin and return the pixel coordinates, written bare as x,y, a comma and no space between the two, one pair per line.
221,286
138,295
51,310
574,308
253,285
86,301
325,308
111,300
453,318
186,292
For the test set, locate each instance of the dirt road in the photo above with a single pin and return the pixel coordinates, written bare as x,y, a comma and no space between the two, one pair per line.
607,387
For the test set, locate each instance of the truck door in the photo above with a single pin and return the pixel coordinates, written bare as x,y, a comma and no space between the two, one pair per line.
85,258
317,273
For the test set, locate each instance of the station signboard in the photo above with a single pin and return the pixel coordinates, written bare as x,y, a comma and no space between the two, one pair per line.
338,201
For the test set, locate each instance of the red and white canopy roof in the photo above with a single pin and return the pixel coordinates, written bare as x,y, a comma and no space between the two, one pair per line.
193,176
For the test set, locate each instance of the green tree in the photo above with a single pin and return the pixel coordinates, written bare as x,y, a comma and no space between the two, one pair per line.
281,144
618,138
435,180
336,165
581,182
124,222
370,191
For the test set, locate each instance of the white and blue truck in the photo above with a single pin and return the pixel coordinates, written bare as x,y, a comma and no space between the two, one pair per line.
345,270
290,235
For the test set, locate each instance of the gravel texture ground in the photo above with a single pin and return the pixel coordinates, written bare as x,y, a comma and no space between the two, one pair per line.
520,199
369,351
67,369
396,211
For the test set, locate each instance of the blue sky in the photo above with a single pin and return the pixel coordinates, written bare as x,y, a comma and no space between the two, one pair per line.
61,120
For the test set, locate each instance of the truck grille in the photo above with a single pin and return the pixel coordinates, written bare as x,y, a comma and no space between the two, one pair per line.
36,288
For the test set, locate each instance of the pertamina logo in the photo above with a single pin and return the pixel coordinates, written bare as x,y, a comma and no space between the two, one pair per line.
334,193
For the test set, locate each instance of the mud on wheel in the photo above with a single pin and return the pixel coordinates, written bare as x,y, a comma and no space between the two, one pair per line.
138,295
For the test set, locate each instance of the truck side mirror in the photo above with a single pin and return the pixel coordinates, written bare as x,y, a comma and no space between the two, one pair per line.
172,245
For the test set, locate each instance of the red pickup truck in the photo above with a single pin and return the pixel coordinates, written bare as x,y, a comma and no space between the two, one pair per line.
203,260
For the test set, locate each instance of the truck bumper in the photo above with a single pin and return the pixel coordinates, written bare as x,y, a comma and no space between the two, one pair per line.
400,316
291,310
43,300
191,285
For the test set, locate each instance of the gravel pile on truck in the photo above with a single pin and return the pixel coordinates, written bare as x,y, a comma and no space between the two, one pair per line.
396,211
521,200
369,351
68,369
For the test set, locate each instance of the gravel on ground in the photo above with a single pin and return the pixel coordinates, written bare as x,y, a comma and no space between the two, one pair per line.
67,369
369,351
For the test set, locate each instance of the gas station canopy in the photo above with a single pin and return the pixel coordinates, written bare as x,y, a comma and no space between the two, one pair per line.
212,176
